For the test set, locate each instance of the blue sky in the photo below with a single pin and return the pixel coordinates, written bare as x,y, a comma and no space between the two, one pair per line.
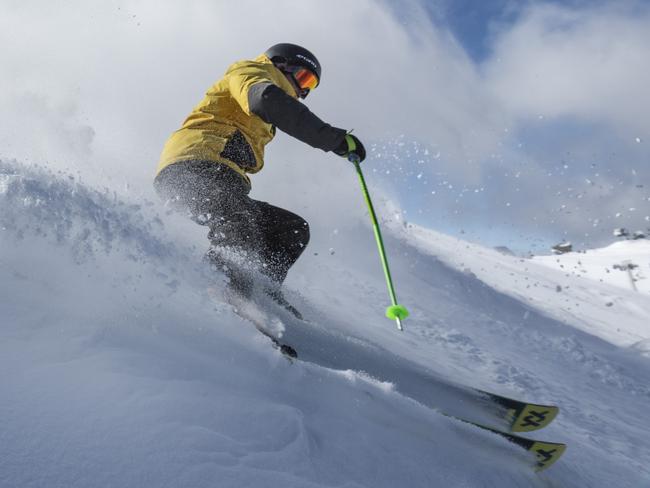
474,22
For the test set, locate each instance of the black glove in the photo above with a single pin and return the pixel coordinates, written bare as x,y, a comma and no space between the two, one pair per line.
351,145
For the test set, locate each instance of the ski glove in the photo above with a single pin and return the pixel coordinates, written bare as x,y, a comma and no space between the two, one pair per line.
351,145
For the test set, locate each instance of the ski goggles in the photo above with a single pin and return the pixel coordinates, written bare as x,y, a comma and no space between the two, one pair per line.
306,81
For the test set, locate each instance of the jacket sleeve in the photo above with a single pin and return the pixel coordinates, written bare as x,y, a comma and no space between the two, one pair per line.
274,106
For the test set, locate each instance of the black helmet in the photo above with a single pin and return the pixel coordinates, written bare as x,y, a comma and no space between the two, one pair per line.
294,55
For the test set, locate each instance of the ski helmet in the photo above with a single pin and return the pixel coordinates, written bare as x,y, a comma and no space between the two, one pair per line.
295,55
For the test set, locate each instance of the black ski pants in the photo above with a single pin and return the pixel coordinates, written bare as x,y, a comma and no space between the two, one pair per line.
214,195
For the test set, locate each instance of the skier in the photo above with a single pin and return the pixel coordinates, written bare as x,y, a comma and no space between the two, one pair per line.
204,167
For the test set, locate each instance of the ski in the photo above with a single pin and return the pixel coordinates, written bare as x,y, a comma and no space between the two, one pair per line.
496,413
522,416
546,453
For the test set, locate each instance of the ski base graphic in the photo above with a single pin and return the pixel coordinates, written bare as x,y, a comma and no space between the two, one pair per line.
523,416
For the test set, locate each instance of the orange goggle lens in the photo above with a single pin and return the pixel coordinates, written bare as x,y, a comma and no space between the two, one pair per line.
306,79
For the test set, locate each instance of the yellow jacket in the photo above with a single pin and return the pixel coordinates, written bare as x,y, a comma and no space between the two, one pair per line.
223,112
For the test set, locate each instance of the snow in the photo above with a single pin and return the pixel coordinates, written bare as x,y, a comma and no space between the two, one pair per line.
119,370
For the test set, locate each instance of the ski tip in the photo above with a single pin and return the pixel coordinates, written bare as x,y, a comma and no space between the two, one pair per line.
532,417
546,453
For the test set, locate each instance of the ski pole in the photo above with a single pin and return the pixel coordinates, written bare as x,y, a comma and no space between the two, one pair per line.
395,311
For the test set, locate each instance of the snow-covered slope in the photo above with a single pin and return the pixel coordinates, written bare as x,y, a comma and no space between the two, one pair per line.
117,370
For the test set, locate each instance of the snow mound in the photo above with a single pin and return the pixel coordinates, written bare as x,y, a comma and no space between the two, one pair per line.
119,369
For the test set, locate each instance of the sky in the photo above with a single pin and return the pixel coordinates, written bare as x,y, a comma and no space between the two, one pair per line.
509,123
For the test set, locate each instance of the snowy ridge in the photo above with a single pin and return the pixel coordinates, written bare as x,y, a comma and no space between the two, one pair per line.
608,265
562,291
118,370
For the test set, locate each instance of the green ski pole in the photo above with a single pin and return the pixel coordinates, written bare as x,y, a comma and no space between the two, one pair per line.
395,311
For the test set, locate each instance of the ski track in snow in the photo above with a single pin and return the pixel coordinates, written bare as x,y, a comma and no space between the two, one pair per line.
119,370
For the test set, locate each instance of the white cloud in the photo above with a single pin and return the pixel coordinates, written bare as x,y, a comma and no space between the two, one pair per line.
583,63
136,68
99,86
